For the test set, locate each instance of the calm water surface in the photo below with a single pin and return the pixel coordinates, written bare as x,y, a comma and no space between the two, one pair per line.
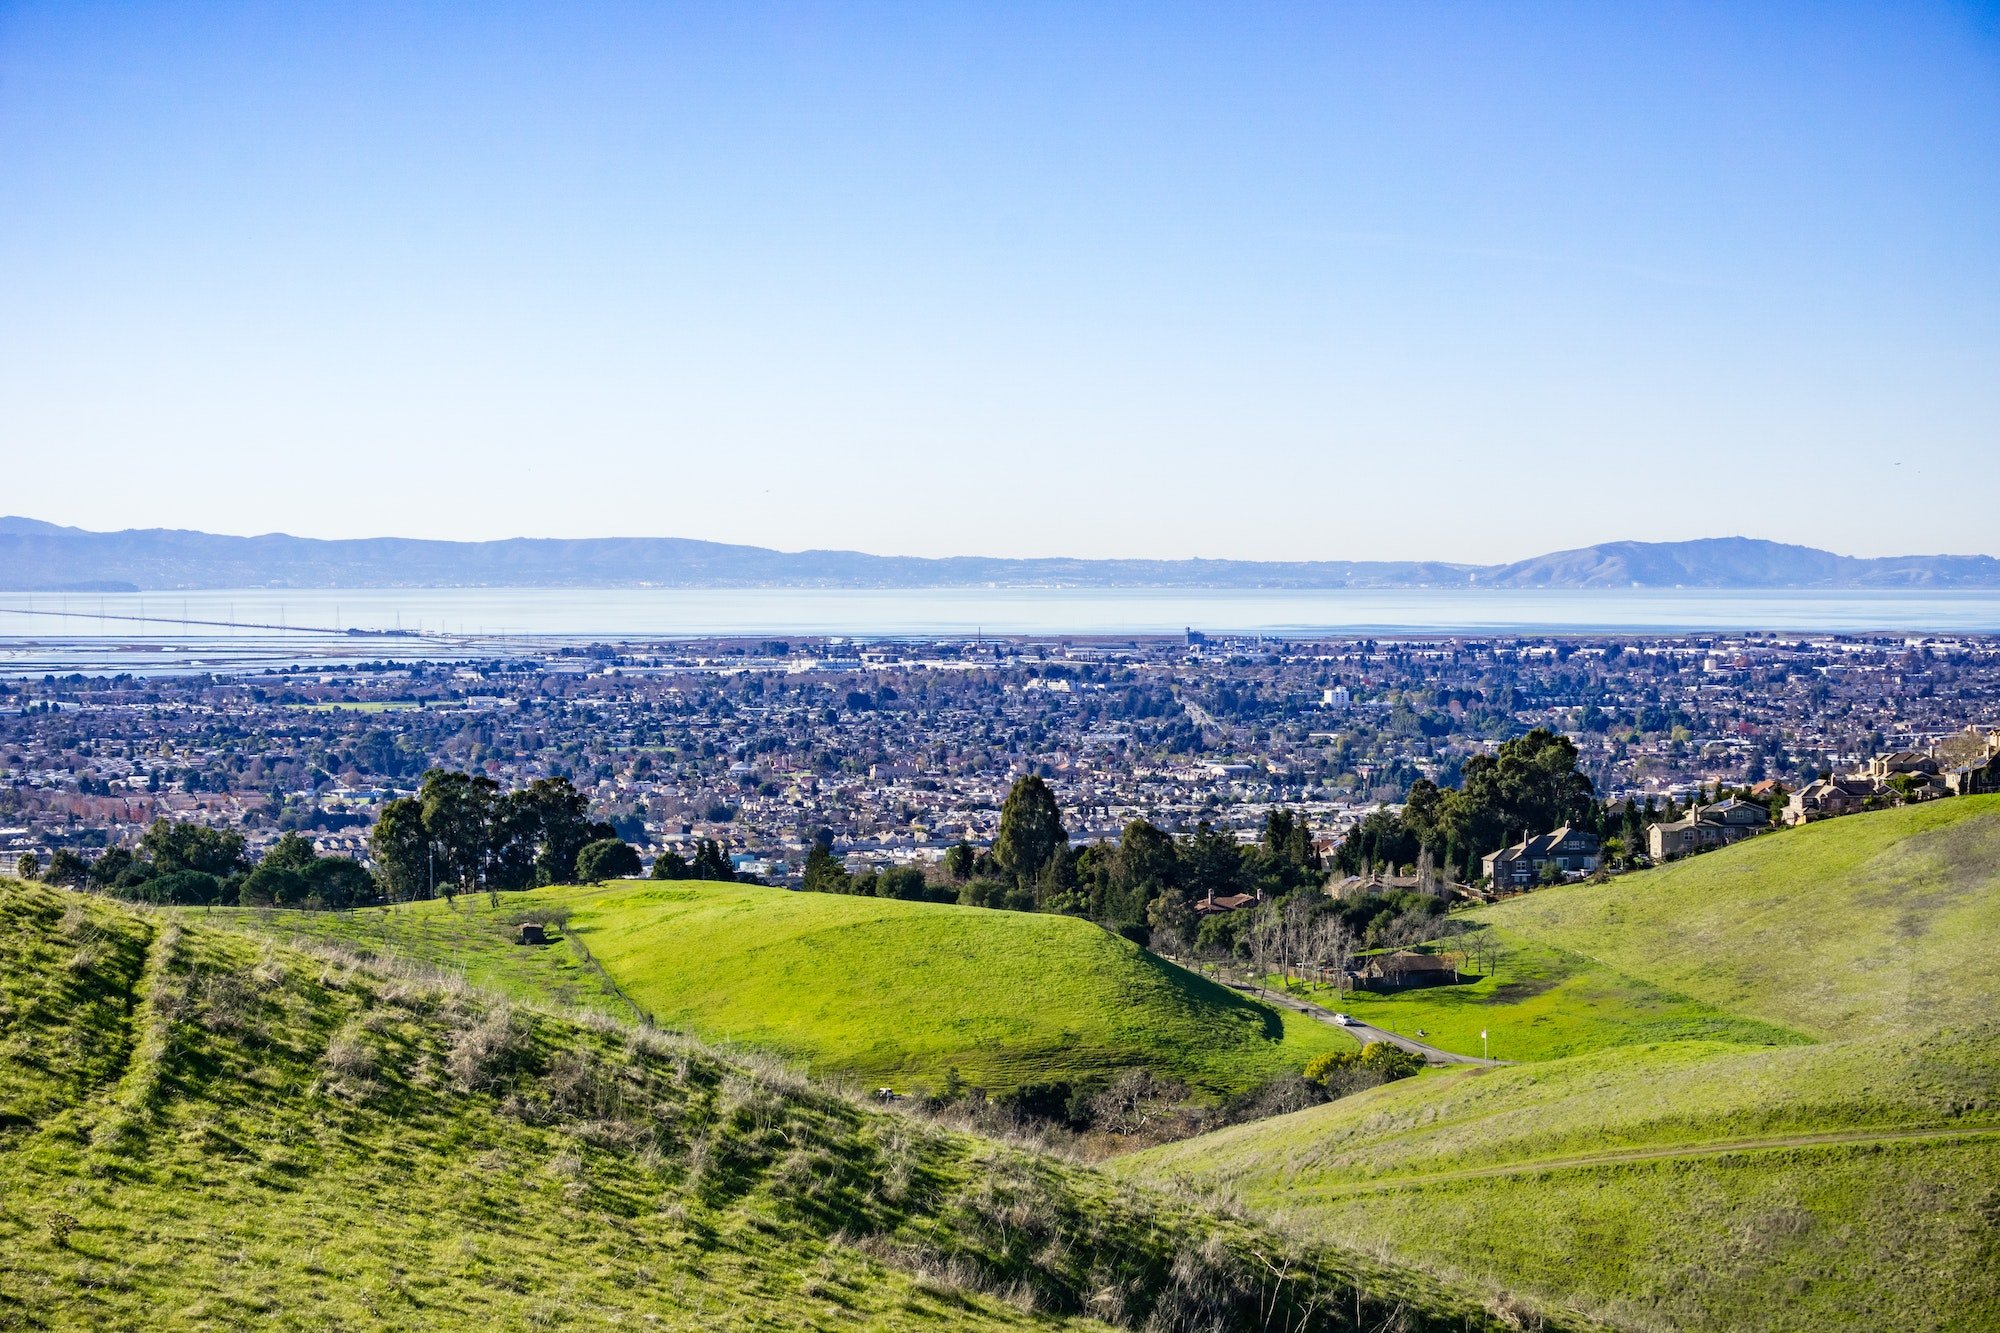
260,624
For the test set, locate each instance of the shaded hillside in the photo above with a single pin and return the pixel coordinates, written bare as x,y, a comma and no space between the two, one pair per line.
201,1130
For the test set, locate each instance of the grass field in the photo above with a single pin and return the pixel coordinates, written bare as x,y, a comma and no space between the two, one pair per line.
878,991
469,936
1695,1184
1544,1003
200,1129
361,706
1871,924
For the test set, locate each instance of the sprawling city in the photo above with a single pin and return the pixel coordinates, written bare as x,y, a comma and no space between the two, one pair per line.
898,751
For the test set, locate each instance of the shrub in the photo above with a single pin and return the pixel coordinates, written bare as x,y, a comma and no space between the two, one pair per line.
348,1057
60,1225
1390,1061
1325,1066
489,1052
607,858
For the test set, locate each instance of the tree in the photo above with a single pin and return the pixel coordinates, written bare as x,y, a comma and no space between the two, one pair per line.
607,858
1146,868
335,882
1330,949
1173,924
1288,838
67,869
710,862
823,872
1032,837
670,864
29,866
1390,1061
271,885
958,861
179,846
560,818
401,848
186,888
1327,1065
1210,862
458,811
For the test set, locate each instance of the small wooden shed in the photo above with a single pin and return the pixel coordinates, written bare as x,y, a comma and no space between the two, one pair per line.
531,933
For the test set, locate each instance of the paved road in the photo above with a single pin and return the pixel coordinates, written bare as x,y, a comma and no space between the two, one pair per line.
1363,1032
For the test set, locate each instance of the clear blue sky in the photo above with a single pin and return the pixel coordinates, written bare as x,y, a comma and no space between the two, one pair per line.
1287,281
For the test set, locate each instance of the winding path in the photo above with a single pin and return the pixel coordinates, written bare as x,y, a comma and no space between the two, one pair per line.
1365,1032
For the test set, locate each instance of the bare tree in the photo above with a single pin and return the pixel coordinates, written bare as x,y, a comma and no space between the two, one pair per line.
1332,949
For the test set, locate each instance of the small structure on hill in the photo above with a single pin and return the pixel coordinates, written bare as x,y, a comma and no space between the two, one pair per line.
531,933
1404,968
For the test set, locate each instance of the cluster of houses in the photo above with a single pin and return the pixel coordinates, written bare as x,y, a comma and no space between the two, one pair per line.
1900,777
1905,775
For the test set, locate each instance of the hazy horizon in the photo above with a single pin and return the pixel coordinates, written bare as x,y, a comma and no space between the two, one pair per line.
1386,557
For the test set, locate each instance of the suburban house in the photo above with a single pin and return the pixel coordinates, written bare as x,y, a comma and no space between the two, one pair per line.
1824,798
1572,851
1974,779
1706,826
1885,766
1229,902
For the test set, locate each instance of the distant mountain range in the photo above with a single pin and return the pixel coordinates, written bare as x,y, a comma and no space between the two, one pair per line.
37,556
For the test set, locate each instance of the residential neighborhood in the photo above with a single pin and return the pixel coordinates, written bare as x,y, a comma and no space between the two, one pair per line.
898,750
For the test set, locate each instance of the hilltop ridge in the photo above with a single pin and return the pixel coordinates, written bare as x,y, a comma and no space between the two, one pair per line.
35,556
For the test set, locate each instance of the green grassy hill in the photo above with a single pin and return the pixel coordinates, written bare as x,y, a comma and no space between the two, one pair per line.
202,1129
1868,925
878,991
1696,1184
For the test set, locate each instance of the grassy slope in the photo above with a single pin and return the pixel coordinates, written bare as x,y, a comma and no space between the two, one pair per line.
1700,1184
199,1129
900,992
1544,1003
878,991
1872,924
468,936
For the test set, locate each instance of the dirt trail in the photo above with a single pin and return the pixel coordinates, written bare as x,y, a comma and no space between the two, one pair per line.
1613,1157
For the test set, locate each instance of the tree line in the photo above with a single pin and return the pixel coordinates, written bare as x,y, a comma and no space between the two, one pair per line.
459,834
193,865
1529,786
1144,881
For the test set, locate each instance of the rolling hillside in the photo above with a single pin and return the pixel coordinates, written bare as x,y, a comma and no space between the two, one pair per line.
1695,1184
38,555
201,1129
877,991
1863,926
